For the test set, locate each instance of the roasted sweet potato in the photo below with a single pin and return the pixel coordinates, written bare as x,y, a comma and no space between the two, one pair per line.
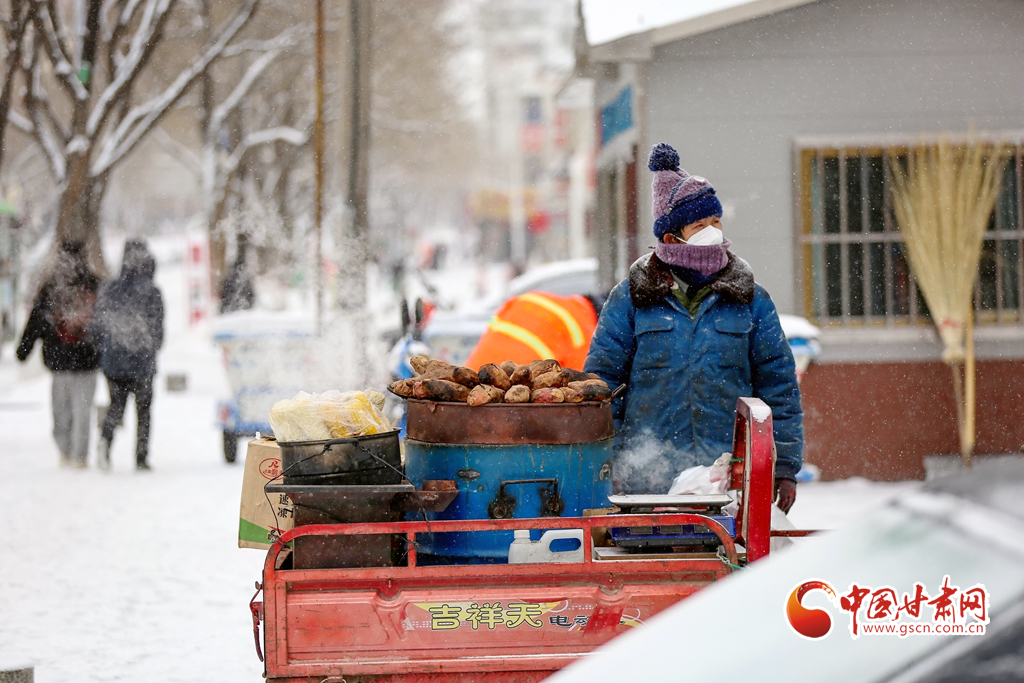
548,379
495,376
547,395
571,375
509,367
539,367
465,376
578,386
440,390
424,365
521,375
571,395
518,394
596,392
447,373
403,387
483,394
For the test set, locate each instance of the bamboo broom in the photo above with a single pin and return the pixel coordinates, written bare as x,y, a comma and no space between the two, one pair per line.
942,203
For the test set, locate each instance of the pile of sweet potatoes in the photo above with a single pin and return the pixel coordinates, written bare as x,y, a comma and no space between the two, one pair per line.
542,381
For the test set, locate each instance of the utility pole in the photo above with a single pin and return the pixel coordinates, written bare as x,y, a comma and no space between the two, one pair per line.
516,204
352,294
357,242
318,163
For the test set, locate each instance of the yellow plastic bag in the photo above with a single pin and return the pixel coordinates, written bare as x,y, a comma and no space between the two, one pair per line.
376,398
352,414
298,419
332,414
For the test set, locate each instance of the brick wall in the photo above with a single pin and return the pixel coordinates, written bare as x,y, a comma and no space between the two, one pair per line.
879,420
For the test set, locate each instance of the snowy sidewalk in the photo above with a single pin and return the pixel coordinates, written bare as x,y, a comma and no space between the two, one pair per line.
126,576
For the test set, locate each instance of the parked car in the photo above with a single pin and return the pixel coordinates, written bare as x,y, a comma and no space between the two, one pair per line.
965,529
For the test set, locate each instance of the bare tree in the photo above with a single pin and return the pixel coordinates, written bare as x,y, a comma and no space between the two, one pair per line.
82,101
14,26
253,106
425,149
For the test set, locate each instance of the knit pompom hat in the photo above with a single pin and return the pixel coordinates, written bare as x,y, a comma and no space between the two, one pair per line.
679,198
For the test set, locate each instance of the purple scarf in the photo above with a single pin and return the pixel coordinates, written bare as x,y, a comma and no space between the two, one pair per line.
706,260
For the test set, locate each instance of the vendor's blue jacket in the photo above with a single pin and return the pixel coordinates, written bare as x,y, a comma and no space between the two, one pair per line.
684,373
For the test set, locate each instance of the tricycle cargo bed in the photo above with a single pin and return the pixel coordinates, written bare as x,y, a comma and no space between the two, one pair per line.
489,619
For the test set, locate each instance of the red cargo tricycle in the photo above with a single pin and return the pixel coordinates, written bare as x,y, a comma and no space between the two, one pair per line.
496,622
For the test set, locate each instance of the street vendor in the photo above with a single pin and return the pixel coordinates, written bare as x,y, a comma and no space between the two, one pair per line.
690,332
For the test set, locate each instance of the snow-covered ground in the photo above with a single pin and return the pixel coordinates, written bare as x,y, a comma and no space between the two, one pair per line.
126,576
137,577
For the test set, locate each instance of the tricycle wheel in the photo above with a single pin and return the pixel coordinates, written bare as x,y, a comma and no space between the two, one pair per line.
230,446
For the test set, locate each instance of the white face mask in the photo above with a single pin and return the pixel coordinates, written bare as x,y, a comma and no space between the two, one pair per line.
709,236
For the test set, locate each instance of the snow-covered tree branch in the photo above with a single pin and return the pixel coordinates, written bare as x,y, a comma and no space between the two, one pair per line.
43,20
14,27
141,119
261,137
127,70
85,91
35,101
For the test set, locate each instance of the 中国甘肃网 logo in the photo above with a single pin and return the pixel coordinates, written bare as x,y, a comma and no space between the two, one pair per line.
883,611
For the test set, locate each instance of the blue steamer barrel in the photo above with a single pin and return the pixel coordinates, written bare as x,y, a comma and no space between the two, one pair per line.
569,445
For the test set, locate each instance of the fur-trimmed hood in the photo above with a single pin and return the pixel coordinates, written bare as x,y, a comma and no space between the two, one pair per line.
650,281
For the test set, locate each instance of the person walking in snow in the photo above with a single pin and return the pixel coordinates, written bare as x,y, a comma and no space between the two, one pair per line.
61,317
237,293
690,331
130,330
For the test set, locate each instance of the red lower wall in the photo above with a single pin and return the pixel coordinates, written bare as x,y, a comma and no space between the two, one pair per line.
879,420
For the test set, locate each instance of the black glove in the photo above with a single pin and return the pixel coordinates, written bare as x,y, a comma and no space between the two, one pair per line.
23,352
785,494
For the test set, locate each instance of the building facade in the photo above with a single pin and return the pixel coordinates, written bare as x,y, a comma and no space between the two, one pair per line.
793,110
533,204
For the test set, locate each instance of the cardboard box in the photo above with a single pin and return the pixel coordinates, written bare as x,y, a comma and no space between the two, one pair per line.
263,517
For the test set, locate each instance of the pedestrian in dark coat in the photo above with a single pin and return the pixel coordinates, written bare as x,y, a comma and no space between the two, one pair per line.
130,330
61,317
237,292
690,331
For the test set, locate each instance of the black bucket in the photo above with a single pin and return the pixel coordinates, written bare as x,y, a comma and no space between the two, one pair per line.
340,504
372,459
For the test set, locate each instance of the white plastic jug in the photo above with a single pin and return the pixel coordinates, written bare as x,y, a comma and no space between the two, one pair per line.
525,551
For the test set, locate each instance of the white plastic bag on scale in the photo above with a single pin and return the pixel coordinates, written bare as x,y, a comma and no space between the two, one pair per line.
703,479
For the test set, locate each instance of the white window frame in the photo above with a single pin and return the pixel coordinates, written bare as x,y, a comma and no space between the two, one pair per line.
812,291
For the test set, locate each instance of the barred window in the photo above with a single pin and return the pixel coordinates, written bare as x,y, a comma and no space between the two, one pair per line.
854,270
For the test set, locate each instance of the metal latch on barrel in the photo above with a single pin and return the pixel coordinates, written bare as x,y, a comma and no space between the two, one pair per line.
504,505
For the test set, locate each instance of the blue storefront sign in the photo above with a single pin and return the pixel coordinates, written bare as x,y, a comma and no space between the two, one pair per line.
617,115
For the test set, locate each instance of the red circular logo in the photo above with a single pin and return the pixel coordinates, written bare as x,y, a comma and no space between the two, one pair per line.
270,467
810,623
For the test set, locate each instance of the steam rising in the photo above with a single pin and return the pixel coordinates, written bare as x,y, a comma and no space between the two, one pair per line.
649,465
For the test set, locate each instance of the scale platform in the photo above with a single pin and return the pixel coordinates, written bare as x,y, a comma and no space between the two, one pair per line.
655,538
687,500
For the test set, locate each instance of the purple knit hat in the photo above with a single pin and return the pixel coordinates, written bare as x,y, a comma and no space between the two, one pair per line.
679,198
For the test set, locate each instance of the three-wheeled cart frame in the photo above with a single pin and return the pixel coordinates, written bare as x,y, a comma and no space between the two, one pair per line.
495,622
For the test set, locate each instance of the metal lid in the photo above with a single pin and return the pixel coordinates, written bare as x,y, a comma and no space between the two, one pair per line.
509,423
321,442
